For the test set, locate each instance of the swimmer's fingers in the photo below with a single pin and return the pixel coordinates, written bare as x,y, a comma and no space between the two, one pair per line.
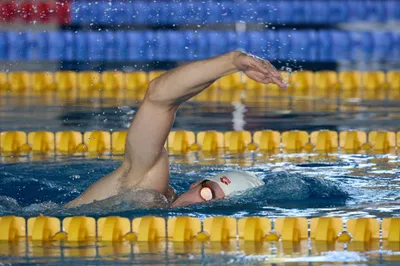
278,81
271,79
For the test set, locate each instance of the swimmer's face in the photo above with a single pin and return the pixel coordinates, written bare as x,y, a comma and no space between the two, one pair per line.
200,191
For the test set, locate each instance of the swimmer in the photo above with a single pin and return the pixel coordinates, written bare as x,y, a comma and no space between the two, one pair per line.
145,166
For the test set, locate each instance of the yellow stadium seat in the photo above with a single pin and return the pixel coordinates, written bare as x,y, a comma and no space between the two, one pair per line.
136,80
183,228
267,140
112,80
88,80
253,228
374,84
391,229
352,140
12,228
41,141
393,78
149,228
301,83
3,81
350,82
118,142
12,141
326,84
180,141
42,81
236,141
398,139
292,228
325,228
97,141
79,228
363,229
382,140
155,74
210,94
113,228
66,80
43,228
294,140
210,141
67,141
231,81
19,81
324,140
220,228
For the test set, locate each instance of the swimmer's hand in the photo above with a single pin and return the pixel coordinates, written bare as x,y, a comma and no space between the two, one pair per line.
258,69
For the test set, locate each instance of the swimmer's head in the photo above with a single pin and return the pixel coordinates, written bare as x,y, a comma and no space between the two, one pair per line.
218,187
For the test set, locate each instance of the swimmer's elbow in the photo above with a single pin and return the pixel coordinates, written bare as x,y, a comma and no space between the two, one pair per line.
157,93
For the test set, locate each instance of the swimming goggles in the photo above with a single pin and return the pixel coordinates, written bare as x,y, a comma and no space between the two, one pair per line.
206,193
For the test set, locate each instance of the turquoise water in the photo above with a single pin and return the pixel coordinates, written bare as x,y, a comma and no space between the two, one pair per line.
306,185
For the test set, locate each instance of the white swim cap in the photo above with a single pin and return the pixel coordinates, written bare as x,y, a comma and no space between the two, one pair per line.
231,182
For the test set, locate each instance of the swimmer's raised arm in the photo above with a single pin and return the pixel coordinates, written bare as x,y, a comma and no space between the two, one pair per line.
180,84
146,162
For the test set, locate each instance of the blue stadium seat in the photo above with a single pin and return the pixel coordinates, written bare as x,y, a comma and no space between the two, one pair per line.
393,10
376,11
201,44
357,10
257,43
158,45
17,46
136,45
284,45
300,11
109,46
190,50
121,46
140,13
304,45
178,46
362,46
338,11
84,12
395,53
334,46
384,43
69,51
96,43
318,12
3,46
298,45
219,12
122,13
56,46
104,13
285,12
43,45
81,46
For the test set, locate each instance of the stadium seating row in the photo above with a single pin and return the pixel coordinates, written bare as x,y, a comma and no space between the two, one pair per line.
375,85
181,142
300,45
38,12
185,229
220,12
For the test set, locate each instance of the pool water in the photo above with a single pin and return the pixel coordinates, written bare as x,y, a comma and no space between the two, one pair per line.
301,185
